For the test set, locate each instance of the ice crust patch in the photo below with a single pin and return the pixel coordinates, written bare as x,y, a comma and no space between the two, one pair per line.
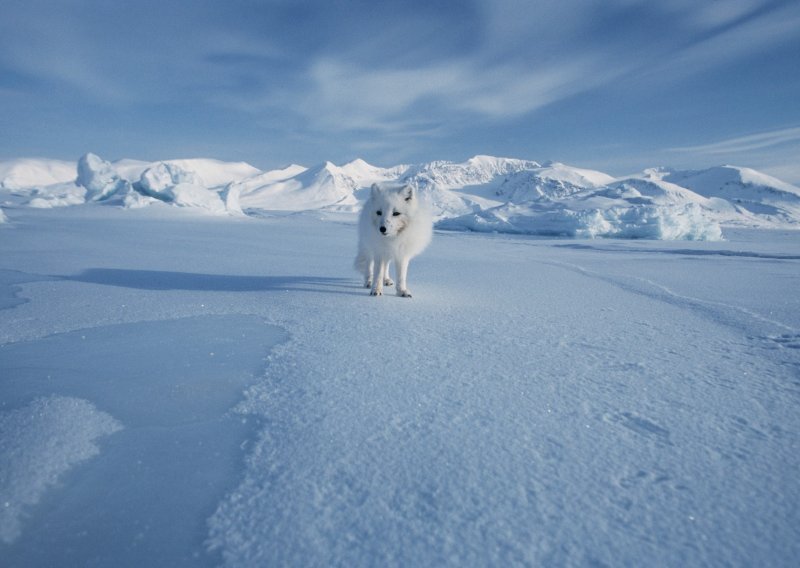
39,443
148,488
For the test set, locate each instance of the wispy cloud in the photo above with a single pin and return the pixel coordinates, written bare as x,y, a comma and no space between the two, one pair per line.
519,65
744,143
351,97
763,26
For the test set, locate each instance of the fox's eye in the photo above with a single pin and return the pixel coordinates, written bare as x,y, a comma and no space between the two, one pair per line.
379,213
395,214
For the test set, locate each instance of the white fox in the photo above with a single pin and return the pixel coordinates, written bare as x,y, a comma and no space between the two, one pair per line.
393,227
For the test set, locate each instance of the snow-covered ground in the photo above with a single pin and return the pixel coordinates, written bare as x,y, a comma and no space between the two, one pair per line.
186,389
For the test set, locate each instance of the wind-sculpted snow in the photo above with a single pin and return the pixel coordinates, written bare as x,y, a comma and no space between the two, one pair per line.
483,193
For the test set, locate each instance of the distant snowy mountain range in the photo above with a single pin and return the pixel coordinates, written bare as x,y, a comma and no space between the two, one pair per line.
484,193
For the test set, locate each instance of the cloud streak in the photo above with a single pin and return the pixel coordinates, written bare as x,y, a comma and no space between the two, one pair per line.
344,95
744,143
544,54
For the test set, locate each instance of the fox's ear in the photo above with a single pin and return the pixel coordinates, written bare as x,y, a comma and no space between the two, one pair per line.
375,190
407,192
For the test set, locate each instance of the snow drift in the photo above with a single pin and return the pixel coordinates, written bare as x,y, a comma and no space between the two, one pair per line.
484,193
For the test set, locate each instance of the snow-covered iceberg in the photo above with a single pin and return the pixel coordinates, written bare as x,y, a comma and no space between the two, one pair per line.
171,183
101,180
57,195
593,215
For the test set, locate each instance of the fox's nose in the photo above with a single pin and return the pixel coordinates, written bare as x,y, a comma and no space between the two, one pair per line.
383,230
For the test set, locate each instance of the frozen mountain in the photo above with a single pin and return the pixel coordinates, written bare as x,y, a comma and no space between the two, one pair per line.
35,172
483,193
731,182
325,185
762,199
476,171
553,181
364,174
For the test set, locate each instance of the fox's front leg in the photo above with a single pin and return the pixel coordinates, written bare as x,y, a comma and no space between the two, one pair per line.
378,277
402,272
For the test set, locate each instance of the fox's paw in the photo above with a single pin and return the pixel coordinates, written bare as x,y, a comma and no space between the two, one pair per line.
375,292
403,293
388,281
368,284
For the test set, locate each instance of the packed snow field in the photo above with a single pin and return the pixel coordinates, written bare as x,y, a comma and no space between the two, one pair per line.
182,384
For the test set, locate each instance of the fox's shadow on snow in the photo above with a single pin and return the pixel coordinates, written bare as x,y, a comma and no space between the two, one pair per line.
196,282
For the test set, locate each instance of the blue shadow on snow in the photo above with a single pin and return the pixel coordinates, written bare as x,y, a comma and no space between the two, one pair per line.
166,280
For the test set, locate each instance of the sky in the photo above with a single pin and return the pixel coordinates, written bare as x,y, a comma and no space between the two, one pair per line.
615,85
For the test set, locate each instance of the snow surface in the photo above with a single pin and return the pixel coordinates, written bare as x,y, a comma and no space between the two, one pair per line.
484,193
538,401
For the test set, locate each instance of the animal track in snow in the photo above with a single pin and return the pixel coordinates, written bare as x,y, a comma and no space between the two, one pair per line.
641,426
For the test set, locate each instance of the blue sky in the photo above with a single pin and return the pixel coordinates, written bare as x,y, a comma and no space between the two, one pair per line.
616,85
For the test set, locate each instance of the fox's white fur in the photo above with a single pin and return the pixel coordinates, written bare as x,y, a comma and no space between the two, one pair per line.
393,227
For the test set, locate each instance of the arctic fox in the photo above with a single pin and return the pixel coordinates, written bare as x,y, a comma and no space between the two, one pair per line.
393,227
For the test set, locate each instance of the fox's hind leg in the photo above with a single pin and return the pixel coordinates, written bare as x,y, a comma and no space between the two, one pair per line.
370,266
364,264
386,280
